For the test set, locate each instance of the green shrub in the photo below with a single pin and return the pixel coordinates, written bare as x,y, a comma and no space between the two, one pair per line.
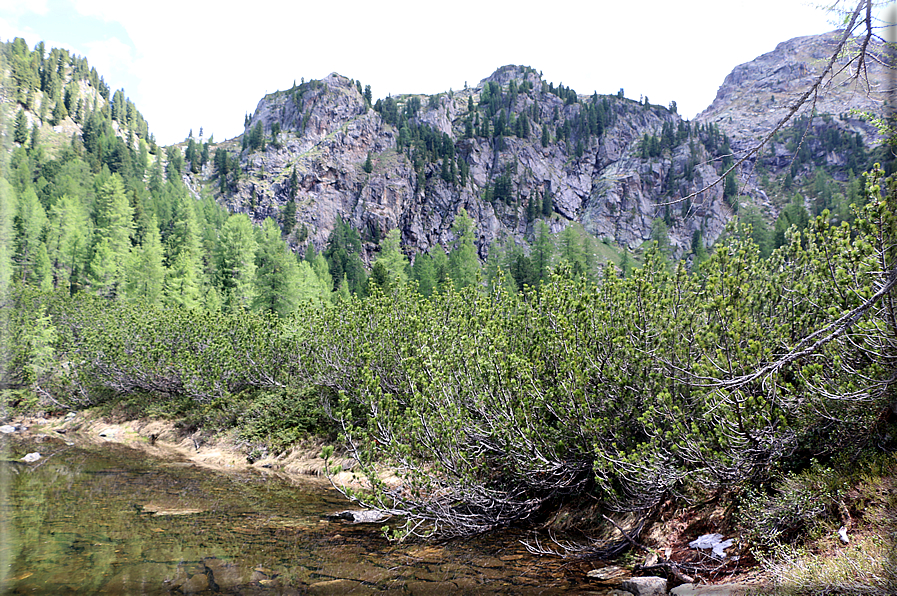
281,417
798,504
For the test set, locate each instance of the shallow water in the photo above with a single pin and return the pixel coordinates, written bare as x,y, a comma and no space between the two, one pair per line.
108,520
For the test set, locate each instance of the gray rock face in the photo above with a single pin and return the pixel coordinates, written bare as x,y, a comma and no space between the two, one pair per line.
604,183
328,131
645,586
757,94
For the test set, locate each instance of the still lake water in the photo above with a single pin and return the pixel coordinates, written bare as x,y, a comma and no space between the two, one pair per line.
107,520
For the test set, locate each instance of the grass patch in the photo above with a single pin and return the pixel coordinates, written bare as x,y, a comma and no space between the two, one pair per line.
794,528
867,565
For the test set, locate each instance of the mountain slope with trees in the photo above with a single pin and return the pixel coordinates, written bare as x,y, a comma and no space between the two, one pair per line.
516,149
501,380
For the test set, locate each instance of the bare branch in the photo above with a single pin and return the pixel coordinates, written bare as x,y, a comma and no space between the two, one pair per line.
848,30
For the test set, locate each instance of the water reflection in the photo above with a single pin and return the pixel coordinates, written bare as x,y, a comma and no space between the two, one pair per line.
106,520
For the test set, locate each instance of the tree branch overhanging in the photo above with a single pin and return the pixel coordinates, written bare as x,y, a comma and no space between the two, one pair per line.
811,92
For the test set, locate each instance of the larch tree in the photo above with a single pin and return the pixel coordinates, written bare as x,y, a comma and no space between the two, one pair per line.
393,259
277,276
464,265
67,239
184,279
30,223
235,263
146,272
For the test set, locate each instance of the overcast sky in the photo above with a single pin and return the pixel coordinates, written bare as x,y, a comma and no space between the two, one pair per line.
189,64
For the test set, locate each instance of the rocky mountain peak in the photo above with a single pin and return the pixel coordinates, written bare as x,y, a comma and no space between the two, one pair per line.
513,72
512,155
756,95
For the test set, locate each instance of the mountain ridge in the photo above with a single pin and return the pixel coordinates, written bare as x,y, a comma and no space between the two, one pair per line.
604,182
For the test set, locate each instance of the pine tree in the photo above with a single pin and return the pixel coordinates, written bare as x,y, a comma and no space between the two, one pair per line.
542,252
661,235
625,262
20,134
277,277
289,217
547,205
146,274
235,263
59,111
343,256
378,278
463,262
35,138
698,249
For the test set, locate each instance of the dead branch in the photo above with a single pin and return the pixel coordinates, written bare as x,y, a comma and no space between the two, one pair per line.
812,91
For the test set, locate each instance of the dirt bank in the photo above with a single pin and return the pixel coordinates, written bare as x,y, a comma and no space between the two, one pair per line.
164,440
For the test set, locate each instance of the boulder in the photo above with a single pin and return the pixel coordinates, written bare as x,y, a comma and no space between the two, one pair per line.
719,590
645,586
359,516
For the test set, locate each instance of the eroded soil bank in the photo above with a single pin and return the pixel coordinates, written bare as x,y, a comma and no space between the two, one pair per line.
166,440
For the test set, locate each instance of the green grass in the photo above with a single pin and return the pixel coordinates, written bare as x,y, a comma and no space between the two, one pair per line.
860,495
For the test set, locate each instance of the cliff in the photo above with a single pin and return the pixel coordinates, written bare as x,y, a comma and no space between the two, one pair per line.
514,149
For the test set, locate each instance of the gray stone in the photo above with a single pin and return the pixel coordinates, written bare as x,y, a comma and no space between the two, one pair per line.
645,586
360,516
718,590
31,457
607,573
328,133
8,429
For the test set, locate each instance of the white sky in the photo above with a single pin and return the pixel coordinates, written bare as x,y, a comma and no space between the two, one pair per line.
188,64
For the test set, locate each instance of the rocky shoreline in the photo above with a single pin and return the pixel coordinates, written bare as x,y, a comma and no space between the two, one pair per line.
165,440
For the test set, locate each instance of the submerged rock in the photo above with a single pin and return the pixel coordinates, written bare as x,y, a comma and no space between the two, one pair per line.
718,590
359,516
610,572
